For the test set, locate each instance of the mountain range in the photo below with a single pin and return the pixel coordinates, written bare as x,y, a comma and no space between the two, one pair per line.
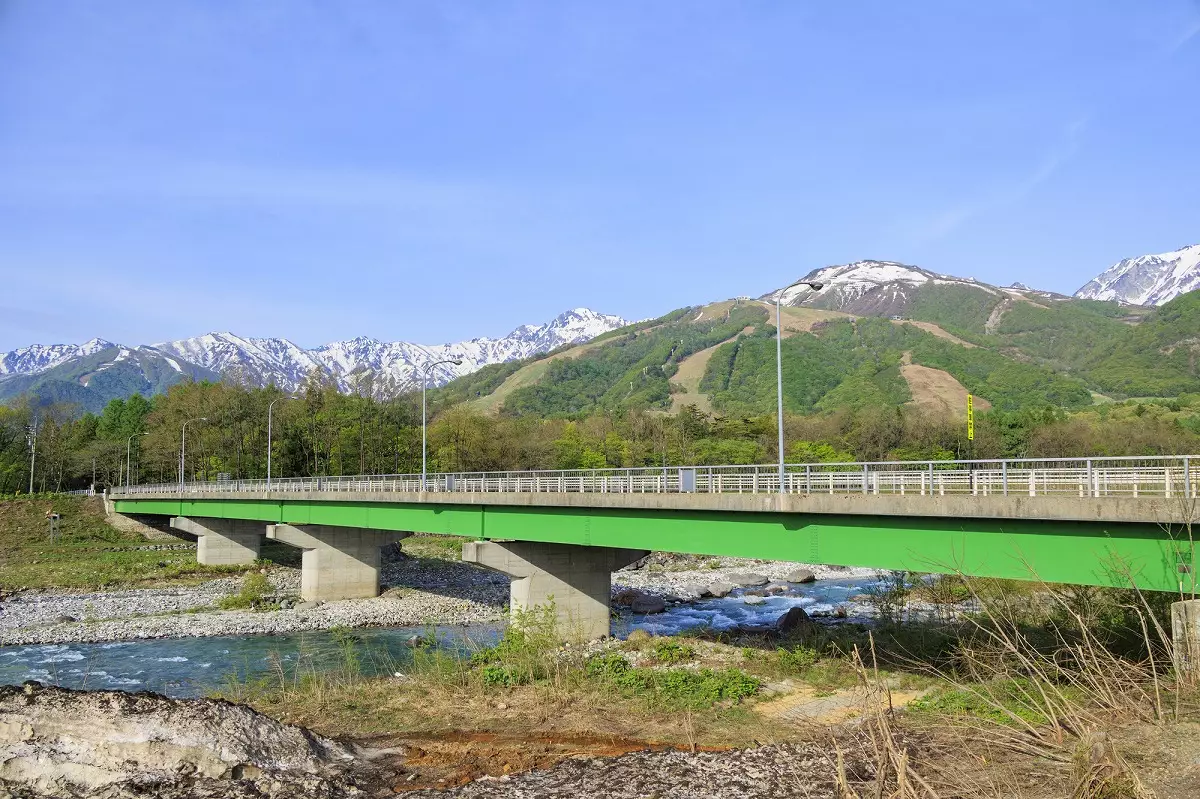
93,373
903,334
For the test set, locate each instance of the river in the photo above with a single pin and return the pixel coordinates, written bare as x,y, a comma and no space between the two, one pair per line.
186,667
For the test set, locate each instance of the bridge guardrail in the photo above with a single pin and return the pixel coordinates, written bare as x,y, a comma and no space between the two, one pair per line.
1136,477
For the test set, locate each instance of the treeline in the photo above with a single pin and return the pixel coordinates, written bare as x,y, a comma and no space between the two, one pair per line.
324,432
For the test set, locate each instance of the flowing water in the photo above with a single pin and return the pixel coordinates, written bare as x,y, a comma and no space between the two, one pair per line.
183,667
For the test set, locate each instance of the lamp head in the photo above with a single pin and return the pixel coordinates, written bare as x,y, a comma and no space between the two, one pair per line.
456,361
816,286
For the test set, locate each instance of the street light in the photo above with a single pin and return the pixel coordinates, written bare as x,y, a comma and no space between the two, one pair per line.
779,364
128,446
183,447
424,386
270,407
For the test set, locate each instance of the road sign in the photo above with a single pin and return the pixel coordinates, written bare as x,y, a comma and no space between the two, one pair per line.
970,418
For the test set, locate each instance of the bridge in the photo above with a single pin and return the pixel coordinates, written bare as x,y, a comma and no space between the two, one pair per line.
1122,522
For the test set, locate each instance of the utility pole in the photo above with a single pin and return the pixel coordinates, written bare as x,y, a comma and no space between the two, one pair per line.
32,451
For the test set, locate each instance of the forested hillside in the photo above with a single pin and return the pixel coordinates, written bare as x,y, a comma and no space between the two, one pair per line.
1013,351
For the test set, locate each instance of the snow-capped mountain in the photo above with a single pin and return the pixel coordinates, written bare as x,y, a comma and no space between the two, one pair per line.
358,364
1148,279
40,357
869,288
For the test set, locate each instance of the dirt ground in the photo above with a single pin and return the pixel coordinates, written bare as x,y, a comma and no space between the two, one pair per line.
936,391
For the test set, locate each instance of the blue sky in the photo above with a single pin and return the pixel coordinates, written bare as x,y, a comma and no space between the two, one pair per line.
433,171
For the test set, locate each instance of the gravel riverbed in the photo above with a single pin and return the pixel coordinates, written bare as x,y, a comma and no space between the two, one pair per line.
416,591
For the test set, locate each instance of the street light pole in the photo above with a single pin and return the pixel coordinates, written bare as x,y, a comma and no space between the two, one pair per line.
779,365
424,387
183,447
270,407
128,447
32,452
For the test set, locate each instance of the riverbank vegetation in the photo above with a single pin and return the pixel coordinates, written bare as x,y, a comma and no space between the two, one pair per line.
1061,692
86,553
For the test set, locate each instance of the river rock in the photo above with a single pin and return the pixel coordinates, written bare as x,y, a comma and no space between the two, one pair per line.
720,589
626,596
795,620
754,600
648,603
774,589
747,579
801,576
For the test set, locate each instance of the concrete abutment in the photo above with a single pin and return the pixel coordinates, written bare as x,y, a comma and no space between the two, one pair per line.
338,562
222,542
576,579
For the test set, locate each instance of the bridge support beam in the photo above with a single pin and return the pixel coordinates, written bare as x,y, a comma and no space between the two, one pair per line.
1185,635
222,542
576,579
338,562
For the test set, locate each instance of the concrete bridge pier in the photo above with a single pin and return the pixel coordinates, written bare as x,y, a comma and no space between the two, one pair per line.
222,542
1185,635
577,579
338,562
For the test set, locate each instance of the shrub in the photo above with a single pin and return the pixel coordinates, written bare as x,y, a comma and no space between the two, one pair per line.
255,589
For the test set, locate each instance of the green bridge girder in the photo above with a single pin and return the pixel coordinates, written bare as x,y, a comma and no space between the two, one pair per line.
1148,556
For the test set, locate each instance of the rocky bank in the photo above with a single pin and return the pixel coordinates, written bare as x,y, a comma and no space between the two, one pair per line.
416,592
60,743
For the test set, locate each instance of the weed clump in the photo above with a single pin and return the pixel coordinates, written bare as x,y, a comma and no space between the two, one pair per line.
673,688
255,589
671,652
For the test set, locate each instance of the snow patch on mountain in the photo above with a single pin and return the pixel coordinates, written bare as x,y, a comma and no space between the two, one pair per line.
40,357
368,365
1147,279
866,287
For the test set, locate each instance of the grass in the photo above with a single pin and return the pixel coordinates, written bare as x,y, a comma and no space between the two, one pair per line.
427,545
1022,687
255,588
528,680
87,554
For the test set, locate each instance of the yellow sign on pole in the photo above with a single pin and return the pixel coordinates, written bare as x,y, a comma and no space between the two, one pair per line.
970,418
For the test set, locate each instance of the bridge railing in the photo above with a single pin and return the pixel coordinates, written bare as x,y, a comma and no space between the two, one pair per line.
1133,477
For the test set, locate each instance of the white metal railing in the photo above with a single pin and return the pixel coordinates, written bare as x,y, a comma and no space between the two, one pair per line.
1135,477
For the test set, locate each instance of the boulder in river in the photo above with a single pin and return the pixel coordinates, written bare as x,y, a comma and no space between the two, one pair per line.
801,576
720,589
626,596
648,603
747,579
754,600
795,620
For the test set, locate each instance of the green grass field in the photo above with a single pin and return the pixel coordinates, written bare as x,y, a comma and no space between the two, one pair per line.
87,553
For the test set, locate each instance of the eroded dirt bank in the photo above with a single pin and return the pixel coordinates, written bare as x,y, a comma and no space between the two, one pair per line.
56,742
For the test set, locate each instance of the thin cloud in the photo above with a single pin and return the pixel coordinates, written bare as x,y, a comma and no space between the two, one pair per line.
949,220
